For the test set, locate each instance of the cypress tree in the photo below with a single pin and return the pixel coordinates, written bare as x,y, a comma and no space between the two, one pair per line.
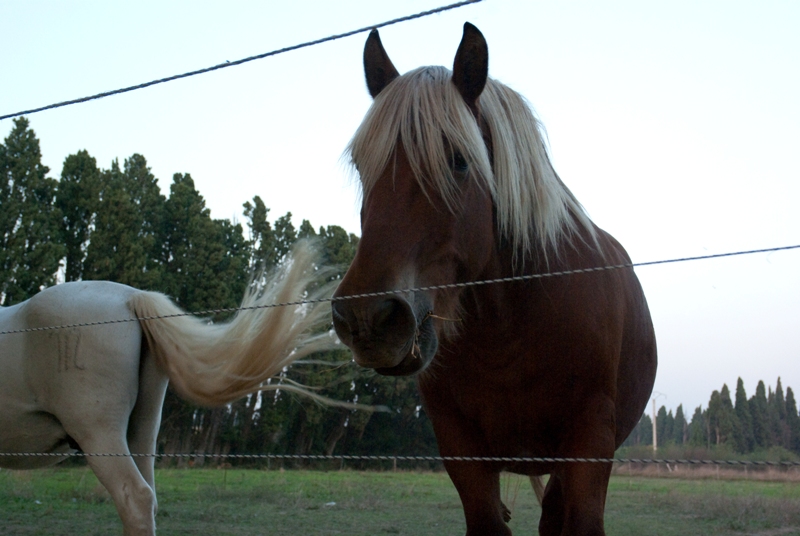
661,426
697,428
78,199
777,417
30,241
285,235
745,439
262,243
645,428
758,411
792,421
669,428
729,424
339,247
126,245
206,263
642,433
714,418
680,428
306,230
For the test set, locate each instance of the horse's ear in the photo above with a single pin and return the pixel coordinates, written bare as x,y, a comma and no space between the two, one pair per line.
471,66
378,68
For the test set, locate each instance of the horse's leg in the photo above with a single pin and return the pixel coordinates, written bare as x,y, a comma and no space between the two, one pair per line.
478,486
146,417
132,495
477,483
584,484
101,429
552,520
94,404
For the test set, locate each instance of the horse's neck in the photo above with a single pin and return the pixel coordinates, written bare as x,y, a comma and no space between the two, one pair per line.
505,302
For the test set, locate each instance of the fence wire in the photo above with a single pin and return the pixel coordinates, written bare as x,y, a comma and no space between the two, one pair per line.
403,458
383,458
244,60
518,278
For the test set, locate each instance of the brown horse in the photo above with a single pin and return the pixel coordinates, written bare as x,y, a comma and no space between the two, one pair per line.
458,187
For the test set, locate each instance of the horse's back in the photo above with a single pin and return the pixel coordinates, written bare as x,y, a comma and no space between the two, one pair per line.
84,356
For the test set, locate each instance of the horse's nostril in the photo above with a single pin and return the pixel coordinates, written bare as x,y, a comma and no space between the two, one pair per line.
344,321
386,312
337,314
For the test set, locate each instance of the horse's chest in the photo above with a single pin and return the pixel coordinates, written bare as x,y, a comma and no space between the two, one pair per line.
511,408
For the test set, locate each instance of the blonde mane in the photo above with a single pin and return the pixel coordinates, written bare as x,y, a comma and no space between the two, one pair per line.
425,112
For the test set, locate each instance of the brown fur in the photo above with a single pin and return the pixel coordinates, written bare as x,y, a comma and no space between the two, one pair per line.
559,366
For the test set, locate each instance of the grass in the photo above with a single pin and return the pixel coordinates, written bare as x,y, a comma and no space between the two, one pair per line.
66,501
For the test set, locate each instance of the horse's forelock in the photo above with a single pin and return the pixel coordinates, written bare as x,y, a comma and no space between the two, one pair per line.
423,111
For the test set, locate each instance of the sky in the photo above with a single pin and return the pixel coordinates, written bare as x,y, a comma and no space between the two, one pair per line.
677,125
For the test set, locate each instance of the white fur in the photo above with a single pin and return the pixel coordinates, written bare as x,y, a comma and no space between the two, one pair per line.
103,385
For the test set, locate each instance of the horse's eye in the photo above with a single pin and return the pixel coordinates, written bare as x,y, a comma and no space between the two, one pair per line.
458,163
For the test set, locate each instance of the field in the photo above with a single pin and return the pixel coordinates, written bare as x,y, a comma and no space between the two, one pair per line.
67,501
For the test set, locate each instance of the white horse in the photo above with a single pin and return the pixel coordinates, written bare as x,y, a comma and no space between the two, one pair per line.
101,387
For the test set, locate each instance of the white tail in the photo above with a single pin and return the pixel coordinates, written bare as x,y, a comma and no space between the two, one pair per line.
538,488
214,364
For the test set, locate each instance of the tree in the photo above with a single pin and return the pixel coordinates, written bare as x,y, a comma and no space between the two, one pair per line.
642,434
126,245
698,428
729,423
205,262
662,424
78,200
792,421
758,411
262,237
285,235
714,418
721,417
745,441
30,249
680,427
339,247
777,417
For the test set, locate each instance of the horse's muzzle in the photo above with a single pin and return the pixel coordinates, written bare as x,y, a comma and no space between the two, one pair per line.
387,334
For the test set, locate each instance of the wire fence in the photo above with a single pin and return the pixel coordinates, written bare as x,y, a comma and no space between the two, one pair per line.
519,278
372,458
243,60
403,458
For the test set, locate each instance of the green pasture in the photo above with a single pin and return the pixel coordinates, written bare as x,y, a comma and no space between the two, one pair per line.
69,501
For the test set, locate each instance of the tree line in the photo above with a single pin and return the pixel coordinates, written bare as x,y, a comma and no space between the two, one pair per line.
766,420
115,224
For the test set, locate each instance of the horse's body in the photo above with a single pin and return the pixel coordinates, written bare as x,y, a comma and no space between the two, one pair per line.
100,388
457,188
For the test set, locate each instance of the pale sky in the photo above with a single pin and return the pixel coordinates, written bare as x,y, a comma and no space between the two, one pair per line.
677,125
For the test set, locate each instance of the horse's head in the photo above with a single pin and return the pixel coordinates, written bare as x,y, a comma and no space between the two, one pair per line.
427,212
453,168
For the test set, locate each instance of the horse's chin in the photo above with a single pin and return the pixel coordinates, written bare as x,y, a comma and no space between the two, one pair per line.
411,364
